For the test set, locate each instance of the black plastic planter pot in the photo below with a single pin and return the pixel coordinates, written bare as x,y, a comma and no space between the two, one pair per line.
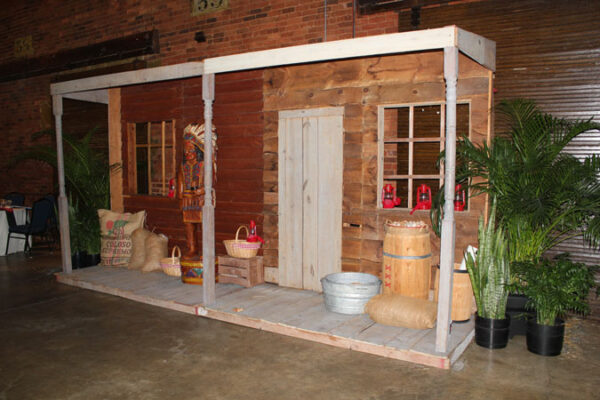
545,340
491,333
92,260
82,259
515,308
78,259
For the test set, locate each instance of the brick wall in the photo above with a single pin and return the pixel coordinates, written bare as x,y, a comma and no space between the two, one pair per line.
56,25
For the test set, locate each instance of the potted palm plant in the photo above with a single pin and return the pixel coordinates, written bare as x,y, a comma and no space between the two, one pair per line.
87,181
490,273
553,287
544,196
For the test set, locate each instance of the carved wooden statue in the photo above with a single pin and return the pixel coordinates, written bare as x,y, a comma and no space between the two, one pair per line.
190,183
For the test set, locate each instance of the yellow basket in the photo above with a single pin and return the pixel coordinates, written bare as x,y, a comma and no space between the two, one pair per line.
241,248
171,265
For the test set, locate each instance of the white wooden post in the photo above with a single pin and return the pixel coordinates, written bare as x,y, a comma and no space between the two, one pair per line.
208,211
448,224
63,205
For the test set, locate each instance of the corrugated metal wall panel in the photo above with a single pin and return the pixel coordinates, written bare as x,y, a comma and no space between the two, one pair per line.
547,51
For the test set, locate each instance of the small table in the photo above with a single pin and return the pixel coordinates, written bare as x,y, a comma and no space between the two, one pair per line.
247,272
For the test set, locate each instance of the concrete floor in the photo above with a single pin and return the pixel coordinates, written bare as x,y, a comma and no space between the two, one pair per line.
60,342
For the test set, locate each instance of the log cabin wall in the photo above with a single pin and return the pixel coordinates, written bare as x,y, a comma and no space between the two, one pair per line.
360,86
237,112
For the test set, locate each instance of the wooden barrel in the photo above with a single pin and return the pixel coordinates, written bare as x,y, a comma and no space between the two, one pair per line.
462,294
407,259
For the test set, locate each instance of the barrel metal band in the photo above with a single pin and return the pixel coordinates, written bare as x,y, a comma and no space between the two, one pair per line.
407,257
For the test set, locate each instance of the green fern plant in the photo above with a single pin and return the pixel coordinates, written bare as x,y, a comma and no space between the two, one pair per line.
544,196
87,181
555,287
489,270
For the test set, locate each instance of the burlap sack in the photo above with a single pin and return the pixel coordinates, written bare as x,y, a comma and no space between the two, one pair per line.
138,248
156,249
116,230
120,224
115,251
398,310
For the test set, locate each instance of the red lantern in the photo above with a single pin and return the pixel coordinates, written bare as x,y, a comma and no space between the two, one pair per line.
423,198
459,198
388,197
171,193
252,235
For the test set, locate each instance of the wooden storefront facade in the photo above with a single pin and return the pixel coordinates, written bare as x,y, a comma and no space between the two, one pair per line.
354,77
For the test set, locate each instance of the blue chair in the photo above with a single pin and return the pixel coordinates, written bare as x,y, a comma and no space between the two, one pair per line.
53,221
40,215
17,199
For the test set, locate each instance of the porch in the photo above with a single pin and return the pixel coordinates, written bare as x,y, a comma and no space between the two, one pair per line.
292,312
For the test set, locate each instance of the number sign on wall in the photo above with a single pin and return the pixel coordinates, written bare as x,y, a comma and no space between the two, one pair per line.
208,6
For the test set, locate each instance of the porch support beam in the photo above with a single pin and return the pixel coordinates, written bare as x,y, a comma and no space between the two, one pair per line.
448,224
208,210
63,205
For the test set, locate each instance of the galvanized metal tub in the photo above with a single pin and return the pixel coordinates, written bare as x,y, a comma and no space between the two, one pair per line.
348,292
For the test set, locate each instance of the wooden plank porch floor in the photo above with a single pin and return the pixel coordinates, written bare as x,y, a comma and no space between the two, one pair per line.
292,312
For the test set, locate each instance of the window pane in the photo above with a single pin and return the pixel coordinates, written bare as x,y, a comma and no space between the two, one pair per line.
169,167
427,121
169,133
156,184
389,159
141,133
396,122
402,159
142,170
462,120
402,191
156,133
425,157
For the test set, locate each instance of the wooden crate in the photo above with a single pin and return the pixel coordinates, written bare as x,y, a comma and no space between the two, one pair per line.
247,272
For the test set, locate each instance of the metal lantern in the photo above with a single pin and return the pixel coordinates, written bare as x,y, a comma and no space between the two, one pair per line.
459,198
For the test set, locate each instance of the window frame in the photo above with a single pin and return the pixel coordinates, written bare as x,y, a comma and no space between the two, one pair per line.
134,146
410,140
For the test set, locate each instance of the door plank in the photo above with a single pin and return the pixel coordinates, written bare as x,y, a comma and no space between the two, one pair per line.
290,202
330,161
311,226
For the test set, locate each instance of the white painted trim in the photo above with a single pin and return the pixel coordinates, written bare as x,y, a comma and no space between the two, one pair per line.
349,48
177,71
93,96
477,47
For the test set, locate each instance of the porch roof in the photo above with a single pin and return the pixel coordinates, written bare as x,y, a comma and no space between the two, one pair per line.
477,47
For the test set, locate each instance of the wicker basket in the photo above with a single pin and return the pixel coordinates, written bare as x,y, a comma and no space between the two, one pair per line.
241,248
171,265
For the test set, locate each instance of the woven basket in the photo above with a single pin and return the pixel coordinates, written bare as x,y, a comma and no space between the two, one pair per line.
241,248
171,265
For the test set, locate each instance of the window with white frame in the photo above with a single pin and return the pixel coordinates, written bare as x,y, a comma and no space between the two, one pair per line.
411,137
152,156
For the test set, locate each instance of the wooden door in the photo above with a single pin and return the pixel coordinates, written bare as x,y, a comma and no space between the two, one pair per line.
310,196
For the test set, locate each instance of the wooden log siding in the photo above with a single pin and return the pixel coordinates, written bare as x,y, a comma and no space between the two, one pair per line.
360,86
238,119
